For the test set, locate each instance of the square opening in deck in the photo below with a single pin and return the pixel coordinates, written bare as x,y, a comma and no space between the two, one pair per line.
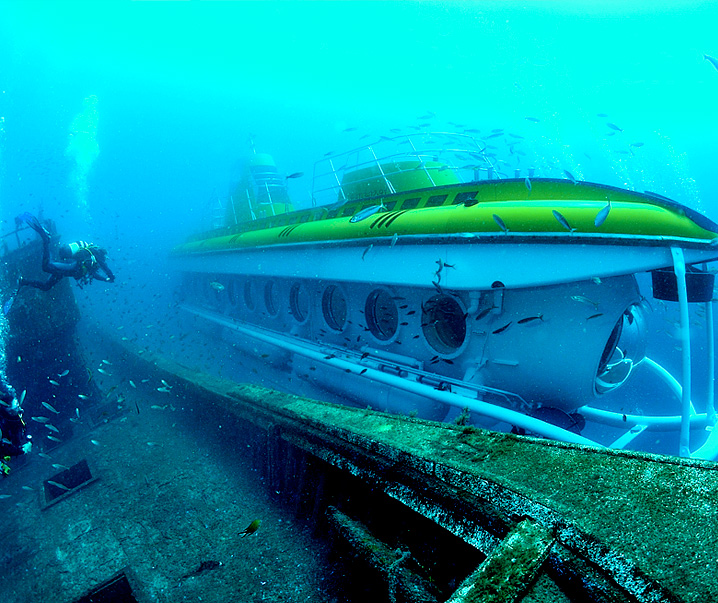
115,590
63,484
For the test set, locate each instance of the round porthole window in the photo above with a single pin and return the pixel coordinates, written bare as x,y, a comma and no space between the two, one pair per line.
249,295
334,307
271,298
382,315
299,302
443,322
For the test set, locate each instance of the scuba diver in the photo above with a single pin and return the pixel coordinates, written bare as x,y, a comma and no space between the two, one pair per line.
80,260
13,441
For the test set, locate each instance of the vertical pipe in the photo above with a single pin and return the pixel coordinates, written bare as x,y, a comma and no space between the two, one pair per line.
710,404
679,267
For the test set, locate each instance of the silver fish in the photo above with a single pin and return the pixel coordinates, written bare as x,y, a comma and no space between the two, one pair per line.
104,372
132,383
602,215
367,250
59,466
53,382
107,362
22,397
394,239
562,220
54,439
50,408
366,213
584,300
217,286
64,373
58,485
167,385
83,397
295,175
40,419
501,223
51,427
164,390
95,442
570,176
711,60
614,127
527,182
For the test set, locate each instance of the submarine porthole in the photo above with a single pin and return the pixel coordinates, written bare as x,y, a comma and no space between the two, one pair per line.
271,298
624,350
443,322
299,302
334,307
382,315
249,295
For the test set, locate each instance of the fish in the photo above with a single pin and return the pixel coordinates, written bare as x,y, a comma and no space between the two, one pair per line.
533,119
614,127
251,528
59,485
366,213
595,316
295,175
54,439
50,408
108,362
132,383
157,407
217,286
53,382
95,442
350,129
602,215
203,567
104,372
584,300
22,397
528,319
64,373
28,488
596,280
166,384
394,239
711,60
40,419
562,220
4,496
51,427
527,182
570,176
484,312
502,329
164,390
501,223
83,397
59,466
636,144
367,250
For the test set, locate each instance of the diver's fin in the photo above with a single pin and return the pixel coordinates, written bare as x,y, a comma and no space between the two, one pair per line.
33,223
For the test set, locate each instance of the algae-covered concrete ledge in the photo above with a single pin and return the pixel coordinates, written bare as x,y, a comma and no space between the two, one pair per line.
645,520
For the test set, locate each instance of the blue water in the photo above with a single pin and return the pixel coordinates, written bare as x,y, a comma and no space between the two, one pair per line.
124,122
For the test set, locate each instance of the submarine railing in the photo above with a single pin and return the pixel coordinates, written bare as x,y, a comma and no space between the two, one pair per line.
605,417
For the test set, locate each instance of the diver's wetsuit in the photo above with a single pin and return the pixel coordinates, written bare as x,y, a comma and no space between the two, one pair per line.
11,423
84,269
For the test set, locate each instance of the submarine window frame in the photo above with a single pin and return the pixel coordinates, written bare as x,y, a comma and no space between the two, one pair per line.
248,295
295,307
272,302
436,200
375,323
333,297
410,203
439,335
